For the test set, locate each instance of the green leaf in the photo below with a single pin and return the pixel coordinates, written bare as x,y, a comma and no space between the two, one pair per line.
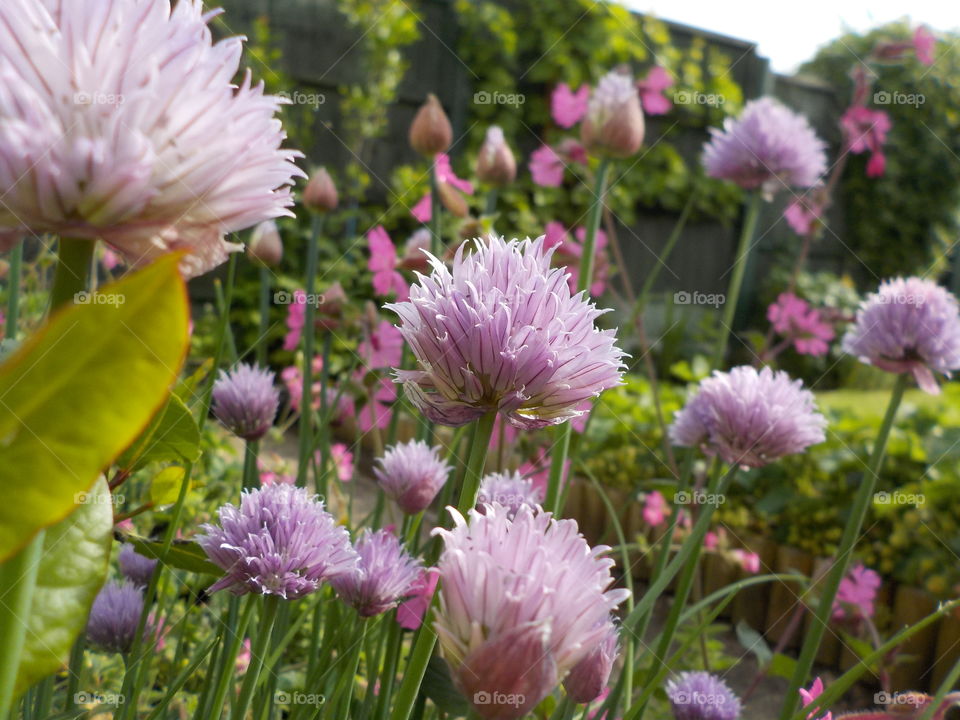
182,555
438,686
172,436
753,642
76,552
165,486
782,666
80,390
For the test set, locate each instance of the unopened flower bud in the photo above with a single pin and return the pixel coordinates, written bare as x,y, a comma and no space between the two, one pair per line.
496,164
430,132
320,195
614,123
589,677
452,200
265,245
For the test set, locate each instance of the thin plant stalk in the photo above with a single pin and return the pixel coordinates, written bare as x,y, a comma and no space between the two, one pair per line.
309,328
258,651
13,290
264,320
851,533
436,222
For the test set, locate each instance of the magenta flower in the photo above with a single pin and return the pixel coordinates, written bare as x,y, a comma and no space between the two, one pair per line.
587,679
805,214
246,401
377,405
446,179
749,418
114,617
866,131
510,490
546,167
382,347
292,377
655,509
569,251
808,696
702,696
411,474
295,320
569,107
768,147
749,561
167,154
280,541
503,333
924,43
796,321
651,91
383,265
385,575
522,602
909,325
856,594
410,612
135,567
342,460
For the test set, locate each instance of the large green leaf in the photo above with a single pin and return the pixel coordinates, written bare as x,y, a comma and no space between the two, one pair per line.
172,436
182,555
81,390
76,552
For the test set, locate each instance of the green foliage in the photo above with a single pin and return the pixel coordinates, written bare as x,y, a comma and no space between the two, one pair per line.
901,222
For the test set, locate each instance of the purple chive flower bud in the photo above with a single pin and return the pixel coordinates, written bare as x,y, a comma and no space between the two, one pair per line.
245,401
702,696
386,574
908,325
589,677
614,121
769,146
501,332
411,474
134,566
522,602
280,541
112,625
749,418
508,489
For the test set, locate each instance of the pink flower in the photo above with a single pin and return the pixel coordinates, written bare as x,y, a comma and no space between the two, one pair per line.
794,319
803,215
243,658
110,258
572,151
749,561
423,210
711,540
410,613
651,91
383,263
538,470
295,320
856,594
383,347
866,130
924,44
342,461
379,404
269,477
569,107
808,696
292,377
655,509
546,167
569,252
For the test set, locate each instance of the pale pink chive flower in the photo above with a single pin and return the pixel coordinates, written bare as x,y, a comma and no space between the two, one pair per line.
114,617
856,594
135,567
410,612
614,122
411,474
909,325
122,122
265,245
655,509
501,332
588,678
546,167
768,147
749,417
651,89
510,490
808,696
246,401
280,541
567,106
866,131
522,602
386,574
702,696
795,320
924,43
383,265
447,181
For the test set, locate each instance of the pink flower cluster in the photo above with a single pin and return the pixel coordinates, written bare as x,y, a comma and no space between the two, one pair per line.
569,251
796,321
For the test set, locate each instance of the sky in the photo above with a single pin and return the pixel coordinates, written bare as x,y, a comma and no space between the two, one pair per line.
789,33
